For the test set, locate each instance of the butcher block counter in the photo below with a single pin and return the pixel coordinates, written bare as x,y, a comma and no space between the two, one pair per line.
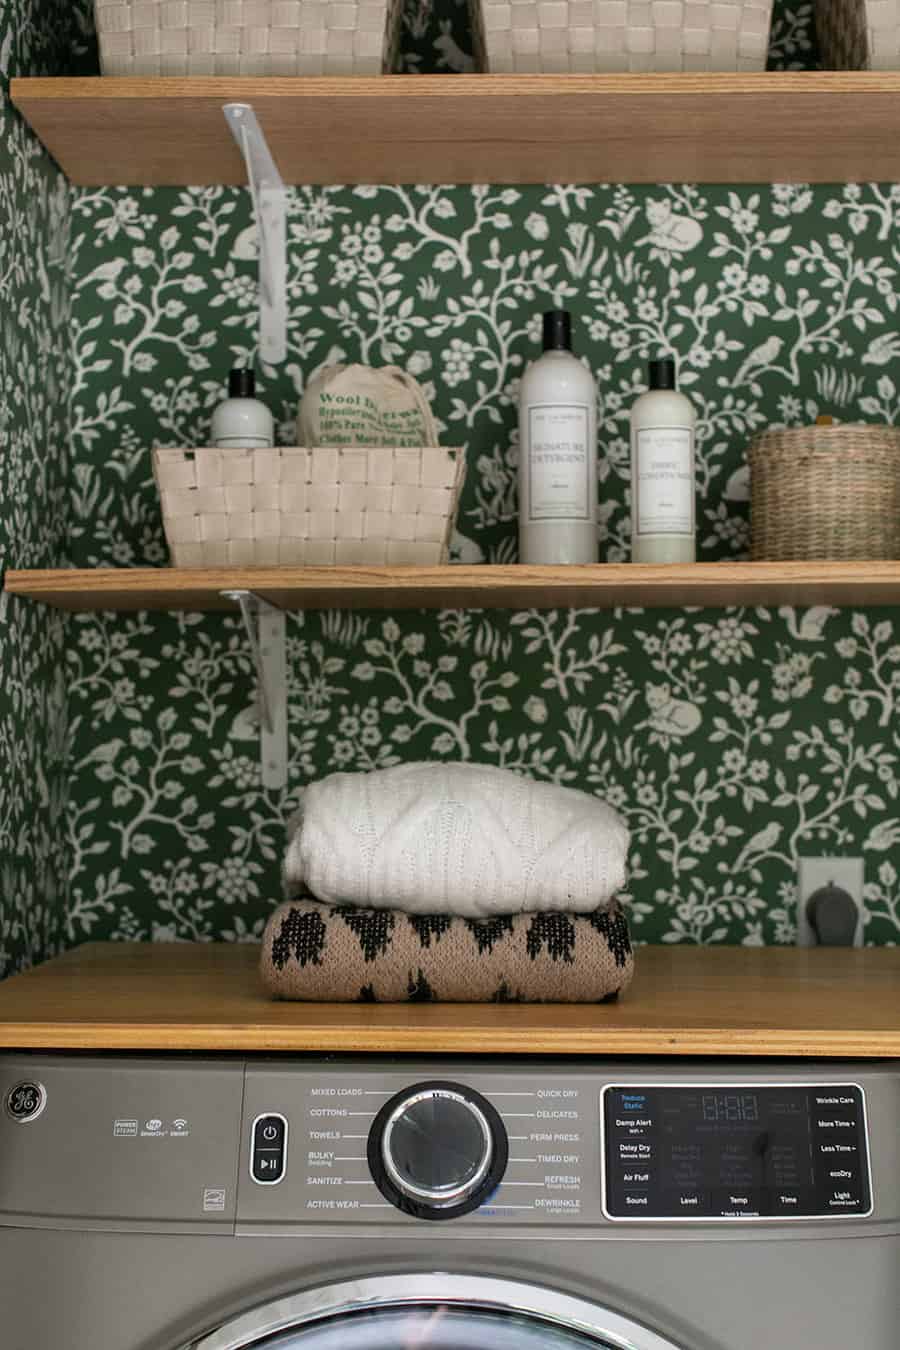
731,1001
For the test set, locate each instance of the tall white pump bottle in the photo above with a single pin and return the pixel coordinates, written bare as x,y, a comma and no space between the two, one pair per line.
557,452
663,514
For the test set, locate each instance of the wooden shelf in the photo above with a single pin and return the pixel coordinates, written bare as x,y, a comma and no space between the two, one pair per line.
604,586
684,1001
815,126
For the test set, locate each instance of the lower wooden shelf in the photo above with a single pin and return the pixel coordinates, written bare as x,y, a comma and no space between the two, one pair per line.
728,1001
603,586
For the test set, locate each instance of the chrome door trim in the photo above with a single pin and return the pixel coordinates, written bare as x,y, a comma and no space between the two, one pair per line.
473,1291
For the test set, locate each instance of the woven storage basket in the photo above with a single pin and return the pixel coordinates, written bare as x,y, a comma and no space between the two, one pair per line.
248,37
859,34
603,35
324,505
825,492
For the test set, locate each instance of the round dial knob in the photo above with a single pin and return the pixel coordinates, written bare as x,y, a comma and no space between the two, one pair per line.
437,1150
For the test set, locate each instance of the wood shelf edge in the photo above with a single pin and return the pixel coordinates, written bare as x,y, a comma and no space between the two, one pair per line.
638,85
601,585
727,127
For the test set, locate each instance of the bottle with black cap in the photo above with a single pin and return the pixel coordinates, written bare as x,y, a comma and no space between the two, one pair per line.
241,422
663,524
557,452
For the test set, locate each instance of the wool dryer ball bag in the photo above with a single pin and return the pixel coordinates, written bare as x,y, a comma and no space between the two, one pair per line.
356,405
465,839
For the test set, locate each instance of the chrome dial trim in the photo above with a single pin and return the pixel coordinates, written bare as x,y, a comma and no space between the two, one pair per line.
437,1196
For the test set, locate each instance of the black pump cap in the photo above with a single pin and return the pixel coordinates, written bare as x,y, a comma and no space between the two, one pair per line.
241,383
557,330
662,373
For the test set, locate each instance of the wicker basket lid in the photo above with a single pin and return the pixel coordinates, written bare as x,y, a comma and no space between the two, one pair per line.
845,438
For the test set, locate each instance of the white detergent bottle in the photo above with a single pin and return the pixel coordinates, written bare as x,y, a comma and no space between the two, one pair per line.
557,452
663,513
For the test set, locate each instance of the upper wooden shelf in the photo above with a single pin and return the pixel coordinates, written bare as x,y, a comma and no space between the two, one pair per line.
513,586
684,1001
814,126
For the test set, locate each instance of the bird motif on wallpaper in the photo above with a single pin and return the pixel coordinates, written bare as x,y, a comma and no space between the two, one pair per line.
882,349
757,360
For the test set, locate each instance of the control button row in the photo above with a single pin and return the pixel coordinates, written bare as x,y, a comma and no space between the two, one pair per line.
268,1148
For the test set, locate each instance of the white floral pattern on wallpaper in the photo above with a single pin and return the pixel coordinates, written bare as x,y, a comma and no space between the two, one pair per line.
33,498
731,741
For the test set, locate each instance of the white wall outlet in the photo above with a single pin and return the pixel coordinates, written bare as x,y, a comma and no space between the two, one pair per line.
815,872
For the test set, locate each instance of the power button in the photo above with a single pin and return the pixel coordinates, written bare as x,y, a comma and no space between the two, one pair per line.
26,1101
268,1149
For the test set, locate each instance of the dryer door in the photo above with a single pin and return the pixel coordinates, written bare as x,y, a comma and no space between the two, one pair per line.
433,1312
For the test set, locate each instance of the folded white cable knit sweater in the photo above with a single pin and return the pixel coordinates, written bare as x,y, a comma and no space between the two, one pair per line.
465,839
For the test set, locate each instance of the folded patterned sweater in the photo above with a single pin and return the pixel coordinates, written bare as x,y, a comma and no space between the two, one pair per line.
465,839
338,953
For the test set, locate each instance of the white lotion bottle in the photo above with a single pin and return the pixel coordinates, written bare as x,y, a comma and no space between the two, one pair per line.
663,511
241,422
557,452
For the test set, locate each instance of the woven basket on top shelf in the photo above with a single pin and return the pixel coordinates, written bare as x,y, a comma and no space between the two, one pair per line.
294,506
859,34
826,492
592,36
248,37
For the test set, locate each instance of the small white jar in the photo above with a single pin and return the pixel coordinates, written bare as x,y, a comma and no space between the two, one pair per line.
241,422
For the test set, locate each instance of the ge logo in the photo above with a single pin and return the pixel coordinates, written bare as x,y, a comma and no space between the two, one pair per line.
25,1101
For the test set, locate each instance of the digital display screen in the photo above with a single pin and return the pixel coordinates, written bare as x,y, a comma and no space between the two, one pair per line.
735,1152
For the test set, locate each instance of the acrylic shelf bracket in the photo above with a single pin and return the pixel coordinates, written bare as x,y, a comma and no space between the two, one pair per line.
270,205
266,629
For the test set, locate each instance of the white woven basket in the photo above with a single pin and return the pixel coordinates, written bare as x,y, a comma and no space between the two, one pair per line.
859,34
247,37
590,36
324,505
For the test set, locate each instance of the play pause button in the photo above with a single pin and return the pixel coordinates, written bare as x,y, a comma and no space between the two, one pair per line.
268,1149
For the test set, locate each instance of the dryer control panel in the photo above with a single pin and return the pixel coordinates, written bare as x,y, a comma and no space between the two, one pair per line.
746,1150
279,1145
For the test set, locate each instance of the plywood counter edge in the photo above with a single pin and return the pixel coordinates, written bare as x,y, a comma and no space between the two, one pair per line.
808,1043
651,84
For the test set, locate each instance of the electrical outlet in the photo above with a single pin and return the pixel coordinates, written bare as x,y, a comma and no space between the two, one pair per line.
815,872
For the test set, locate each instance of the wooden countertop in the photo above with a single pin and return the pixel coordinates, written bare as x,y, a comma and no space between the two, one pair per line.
684,1001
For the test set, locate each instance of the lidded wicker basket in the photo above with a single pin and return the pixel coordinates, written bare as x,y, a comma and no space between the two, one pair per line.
859,34
248,37
825,492
266,507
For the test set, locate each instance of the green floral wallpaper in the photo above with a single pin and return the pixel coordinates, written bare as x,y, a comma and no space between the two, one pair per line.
37,39
732,741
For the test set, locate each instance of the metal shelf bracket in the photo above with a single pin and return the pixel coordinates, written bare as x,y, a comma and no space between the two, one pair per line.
270,204
266,629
